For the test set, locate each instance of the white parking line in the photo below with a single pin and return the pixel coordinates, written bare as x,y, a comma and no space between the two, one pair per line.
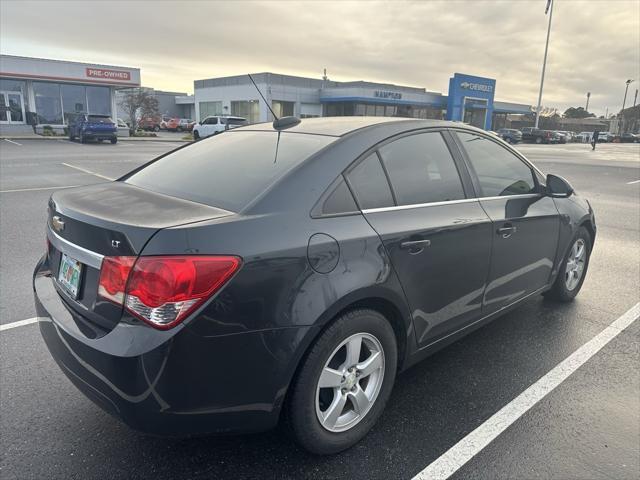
11,141
87,171
635,181
20,323
467,448
35,189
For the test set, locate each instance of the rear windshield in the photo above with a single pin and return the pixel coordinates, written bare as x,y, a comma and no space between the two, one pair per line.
228,170
99,119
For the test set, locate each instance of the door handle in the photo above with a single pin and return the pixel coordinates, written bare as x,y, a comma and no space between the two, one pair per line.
507,230
415,246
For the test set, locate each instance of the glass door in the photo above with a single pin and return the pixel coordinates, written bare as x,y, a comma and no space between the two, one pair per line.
11,107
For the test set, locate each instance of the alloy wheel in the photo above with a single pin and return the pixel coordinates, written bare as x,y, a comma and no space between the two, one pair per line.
350,382
575,264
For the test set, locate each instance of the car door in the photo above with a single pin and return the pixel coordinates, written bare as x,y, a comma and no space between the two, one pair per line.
526,223
439,240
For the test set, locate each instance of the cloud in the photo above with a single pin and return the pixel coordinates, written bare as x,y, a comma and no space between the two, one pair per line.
595,45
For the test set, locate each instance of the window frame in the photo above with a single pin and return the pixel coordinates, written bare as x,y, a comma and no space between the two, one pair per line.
536,173
465,177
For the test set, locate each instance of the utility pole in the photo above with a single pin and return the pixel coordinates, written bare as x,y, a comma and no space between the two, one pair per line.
586,109
544,62
635,98
624,102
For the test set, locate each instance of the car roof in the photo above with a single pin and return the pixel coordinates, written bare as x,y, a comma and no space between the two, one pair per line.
340,126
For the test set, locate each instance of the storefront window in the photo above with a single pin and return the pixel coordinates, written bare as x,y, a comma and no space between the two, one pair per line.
210,109
74,99
282,109
246,109
99,100
48,103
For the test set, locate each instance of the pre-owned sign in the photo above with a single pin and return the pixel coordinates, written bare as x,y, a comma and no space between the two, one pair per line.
108,74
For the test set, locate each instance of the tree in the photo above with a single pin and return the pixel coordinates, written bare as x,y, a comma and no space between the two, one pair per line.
577,112
138,102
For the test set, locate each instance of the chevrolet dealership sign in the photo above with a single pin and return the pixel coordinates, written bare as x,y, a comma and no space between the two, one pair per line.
477,87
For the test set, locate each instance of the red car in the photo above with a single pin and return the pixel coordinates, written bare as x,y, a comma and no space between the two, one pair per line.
149,123
172,124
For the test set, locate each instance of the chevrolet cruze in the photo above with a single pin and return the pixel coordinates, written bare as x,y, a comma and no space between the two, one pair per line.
276,274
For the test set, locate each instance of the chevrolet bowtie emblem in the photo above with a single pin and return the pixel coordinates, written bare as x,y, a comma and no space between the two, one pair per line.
57,223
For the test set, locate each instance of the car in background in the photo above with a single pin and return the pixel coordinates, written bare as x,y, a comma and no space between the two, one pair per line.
289,273
584,137
629,138
150,124
561,137
92,127
121,123
605,137
216,124
171,124
510,135
536,135
183,124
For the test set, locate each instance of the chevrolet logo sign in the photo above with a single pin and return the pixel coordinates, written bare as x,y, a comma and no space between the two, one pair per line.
57,223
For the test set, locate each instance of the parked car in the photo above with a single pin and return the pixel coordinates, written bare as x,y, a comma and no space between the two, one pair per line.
510,135
584,137
121,123
629,138
605,137
535,135
183,124
92,127
151,124
559,137
172,124
270,272
216,124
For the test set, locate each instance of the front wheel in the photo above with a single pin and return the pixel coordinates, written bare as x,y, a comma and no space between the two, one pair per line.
114,140
574,268
156,128
196,135
344,383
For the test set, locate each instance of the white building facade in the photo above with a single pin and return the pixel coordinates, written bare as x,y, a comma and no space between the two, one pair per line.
35,92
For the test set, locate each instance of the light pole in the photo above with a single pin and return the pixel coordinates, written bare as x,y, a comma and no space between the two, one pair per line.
635,98
586,109
544,62
624,101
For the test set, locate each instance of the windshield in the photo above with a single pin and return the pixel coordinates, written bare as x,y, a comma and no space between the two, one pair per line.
228,170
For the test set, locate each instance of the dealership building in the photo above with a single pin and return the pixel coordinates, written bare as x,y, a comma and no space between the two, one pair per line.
469,99
36,91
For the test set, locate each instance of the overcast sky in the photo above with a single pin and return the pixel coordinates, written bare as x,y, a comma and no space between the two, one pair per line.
595,45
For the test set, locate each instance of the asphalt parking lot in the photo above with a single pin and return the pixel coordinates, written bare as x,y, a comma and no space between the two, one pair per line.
588,427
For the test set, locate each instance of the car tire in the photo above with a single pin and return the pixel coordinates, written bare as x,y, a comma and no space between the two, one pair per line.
71,137
508,140
564,290
114,140
303,414
538,140
196,135
156,128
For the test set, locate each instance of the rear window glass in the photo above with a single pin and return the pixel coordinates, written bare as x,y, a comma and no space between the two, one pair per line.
237,121
228,170
99,119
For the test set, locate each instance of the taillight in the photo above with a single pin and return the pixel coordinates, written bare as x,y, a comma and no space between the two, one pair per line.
164,290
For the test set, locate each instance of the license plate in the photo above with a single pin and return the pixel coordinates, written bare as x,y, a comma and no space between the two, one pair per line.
70,274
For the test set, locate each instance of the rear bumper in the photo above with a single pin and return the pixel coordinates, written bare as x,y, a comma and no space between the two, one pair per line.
173,383
100,135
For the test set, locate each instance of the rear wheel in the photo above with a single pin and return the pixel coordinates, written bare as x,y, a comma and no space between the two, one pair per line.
156,128
196,135
574,268
344,383
114,140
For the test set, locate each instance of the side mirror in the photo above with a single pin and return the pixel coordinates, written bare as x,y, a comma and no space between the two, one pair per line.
558,186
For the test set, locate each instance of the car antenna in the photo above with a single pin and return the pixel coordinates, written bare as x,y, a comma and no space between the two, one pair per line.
278,123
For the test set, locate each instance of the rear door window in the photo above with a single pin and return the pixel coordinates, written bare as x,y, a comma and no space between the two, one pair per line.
499,172
421,169
228,171
369,184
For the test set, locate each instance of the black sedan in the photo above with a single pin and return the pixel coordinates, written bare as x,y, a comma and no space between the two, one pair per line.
288,274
